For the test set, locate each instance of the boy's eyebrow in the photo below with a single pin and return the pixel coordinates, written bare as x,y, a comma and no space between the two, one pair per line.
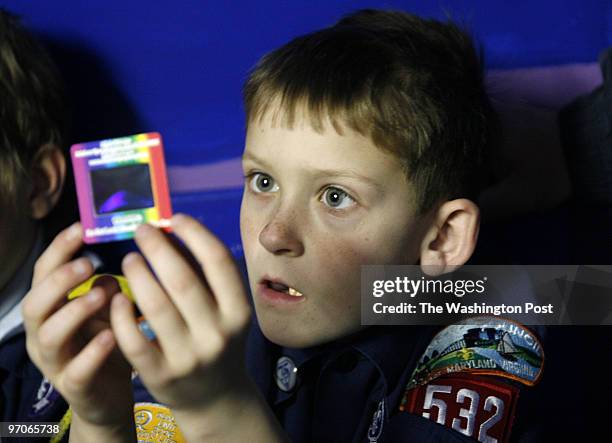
248,156
348,174
325,172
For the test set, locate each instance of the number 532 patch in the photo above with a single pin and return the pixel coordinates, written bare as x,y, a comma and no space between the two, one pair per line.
479,407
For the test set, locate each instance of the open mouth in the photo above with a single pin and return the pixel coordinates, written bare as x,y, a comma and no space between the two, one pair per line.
280,287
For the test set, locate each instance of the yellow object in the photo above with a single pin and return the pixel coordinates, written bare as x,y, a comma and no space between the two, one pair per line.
86,286
64,426
155,423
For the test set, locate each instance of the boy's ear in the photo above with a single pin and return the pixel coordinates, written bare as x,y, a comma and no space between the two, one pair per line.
451,239
48,172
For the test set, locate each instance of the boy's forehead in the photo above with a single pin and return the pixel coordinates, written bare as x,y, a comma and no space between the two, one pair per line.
329,147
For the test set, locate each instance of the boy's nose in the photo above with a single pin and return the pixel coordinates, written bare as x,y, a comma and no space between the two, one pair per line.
279,239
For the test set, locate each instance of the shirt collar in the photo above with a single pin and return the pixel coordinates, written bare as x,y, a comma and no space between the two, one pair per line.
391,349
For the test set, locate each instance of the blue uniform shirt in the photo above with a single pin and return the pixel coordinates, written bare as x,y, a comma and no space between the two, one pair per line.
351,391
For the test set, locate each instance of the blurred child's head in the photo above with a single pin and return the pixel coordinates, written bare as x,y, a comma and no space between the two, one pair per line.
364,143
32,125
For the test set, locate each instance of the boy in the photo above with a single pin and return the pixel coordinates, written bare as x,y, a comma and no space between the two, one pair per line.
33,167
363,141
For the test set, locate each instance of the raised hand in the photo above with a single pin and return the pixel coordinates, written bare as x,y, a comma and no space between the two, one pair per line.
72,343
200,316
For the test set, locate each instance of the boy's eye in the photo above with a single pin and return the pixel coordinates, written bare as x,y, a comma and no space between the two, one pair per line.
337,199
261,182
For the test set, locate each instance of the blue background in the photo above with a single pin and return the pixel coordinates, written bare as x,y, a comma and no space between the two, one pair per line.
180,65
177,67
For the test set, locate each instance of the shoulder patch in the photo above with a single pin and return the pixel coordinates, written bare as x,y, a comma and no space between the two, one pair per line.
478,407
155,424
482,345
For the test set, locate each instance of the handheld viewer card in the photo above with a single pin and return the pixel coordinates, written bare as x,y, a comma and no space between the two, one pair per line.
121,183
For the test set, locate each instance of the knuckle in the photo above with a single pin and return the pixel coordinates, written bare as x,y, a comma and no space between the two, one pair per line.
216,344
219,347
78,308
60,276
136,351
32,351
181,369
240,319
39,268
180,282
243,316
221,255
46,340
157,307
162,379
28,310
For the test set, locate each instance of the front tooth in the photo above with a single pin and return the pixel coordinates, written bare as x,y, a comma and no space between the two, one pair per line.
295,293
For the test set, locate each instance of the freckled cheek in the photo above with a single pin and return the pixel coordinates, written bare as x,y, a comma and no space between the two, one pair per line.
340,258
339,264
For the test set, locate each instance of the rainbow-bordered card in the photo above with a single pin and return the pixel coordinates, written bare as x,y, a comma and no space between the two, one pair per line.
121,183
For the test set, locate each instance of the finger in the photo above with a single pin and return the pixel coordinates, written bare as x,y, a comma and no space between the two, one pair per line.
143,355
218,265
187,290
157,308
80,372
61,249
50,293
60,327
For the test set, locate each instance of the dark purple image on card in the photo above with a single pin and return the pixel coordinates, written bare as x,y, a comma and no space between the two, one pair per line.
122,188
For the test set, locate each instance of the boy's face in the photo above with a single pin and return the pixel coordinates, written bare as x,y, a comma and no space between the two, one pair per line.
316,207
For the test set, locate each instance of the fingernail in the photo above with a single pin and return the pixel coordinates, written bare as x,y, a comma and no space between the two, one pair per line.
120,299
74,231
178,218
144,230
94,296
81,266
132,256
106,337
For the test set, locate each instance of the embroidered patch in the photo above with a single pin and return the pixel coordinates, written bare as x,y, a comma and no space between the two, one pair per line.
478,407
482,345
155,424
378,421
46,396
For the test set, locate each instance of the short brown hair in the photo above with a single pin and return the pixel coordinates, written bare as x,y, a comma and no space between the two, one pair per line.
32,108
413,86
